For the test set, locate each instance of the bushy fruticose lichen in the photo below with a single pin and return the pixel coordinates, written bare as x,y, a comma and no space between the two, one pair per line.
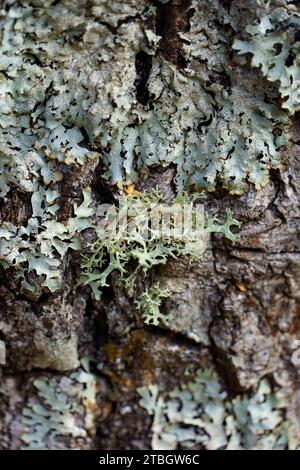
149,303
200,413
141,244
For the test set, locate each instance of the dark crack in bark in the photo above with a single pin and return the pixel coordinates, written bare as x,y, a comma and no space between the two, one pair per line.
172,18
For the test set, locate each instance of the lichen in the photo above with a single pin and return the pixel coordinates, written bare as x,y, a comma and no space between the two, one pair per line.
68,97
200,413
215,130
149,303
62,410
233,145
41,245
274,47
141,246
38,133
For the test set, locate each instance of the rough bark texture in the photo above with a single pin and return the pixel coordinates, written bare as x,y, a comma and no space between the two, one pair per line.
235,311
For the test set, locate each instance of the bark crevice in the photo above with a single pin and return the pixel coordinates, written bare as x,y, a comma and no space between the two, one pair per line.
172,18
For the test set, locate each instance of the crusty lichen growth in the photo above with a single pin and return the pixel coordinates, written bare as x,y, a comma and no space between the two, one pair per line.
52,102
200,413
68,101
212,121
42,243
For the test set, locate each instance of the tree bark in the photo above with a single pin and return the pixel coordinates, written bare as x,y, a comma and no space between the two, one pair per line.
236,310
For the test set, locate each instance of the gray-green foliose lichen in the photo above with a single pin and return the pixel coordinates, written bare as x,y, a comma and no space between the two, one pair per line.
63,411
201,413
68,88
275,48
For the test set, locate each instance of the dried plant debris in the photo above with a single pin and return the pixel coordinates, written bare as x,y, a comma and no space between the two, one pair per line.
199,414
63,411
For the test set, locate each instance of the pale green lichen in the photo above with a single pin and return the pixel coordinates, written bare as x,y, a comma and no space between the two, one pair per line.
149,303
234,145
41,245
200,413
225,228
275,48
213,132
52,101
61,411
140,245
74,89
37,133
68,88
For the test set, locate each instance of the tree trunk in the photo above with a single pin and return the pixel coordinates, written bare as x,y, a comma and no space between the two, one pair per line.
101,98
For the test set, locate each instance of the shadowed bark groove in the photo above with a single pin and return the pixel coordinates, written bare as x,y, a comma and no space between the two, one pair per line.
143,64
173,18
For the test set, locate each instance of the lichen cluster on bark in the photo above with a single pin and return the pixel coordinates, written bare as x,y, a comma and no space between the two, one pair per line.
98,97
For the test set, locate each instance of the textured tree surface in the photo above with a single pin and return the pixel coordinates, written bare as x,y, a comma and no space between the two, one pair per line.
101,98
